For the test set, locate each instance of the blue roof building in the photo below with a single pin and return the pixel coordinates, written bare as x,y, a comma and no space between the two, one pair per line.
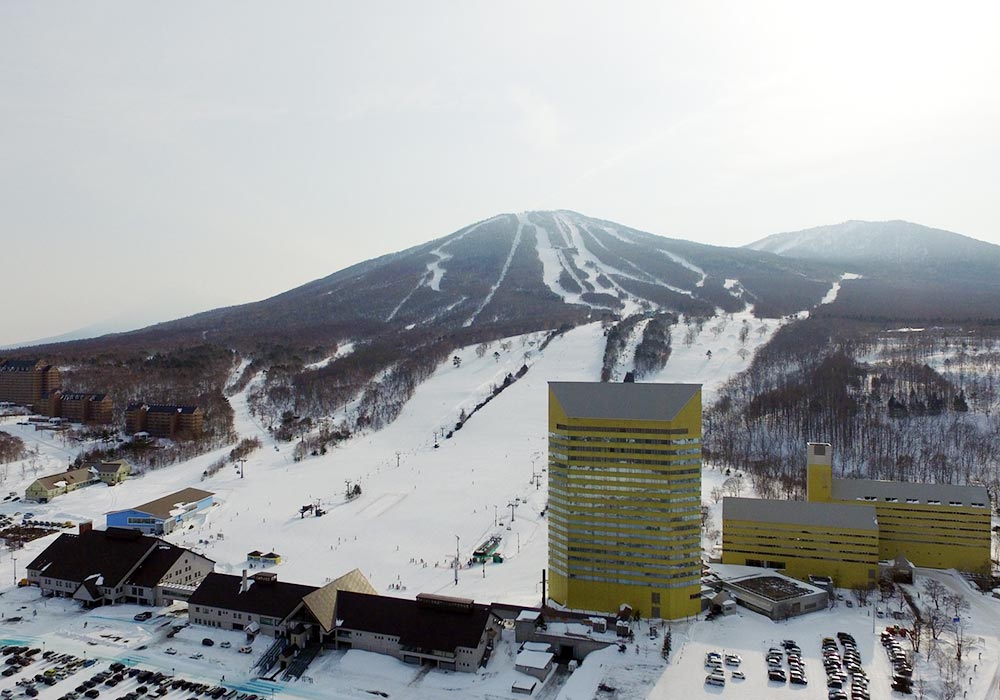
163,515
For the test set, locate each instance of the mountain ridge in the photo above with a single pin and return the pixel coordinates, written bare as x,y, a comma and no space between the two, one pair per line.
518,272
896,242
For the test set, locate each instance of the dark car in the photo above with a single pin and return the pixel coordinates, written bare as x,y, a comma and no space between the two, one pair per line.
143,616
207,642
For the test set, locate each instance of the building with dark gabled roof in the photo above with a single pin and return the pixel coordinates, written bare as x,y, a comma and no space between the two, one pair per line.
450,633
322,603
259,603
96,566
168,573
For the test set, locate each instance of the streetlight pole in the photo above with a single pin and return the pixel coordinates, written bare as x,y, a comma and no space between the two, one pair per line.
457,540
242,461
511,506
14,559
495,519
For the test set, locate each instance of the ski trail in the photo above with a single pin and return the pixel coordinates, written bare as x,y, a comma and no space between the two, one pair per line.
683,262
503,271
632,344
405,299
435,272
445,310
434,267
554,262
573,233
831,296
646,277
343,350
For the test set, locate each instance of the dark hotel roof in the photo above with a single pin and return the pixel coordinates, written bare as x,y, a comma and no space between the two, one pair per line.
420,624
110,553
271,599
156,565
625,401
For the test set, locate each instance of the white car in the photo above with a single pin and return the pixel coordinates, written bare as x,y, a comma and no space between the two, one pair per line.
738,675
170,650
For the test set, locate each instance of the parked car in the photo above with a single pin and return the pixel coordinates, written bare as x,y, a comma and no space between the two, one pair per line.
208,642
143,616
246,650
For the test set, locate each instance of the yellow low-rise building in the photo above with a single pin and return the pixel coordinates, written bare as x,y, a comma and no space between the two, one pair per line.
803,539
846,526
46,488
941,526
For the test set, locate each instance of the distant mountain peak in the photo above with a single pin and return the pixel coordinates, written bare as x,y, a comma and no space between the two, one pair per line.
895,242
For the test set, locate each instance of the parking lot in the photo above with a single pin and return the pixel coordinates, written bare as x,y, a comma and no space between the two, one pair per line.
30,672
822,656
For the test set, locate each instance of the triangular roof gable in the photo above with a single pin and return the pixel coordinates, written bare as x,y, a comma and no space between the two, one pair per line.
322,603
87,591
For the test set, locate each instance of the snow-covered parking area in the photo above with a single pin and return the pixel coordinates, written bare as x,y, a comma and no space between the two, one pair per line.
751,636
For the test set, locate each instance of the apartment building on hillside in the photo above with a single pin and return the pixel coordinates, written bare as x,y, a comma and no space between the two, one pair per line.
27,382
164,420
77,407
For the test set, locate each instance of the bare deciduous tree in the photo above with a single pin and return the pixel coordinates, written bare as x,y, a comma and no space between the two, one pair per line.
934,590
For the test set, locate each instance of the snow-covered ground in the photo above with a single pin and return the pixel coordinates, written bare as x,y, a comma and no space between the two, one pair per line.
720,336
418,502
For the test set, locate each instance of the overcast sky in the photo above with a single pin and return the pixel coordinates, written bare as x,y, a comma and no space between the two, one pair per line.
158,159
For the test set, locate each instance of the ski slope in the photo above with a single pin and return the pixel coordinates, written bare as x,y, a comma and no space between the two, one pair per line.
418,504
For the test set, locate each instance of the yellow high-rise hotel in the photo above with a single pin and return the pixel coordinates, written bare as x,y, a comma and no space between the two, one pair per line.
846,526
625,497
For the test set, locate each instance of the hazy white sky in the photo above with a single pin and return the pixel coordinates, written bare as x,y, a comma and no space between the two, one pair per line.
158,159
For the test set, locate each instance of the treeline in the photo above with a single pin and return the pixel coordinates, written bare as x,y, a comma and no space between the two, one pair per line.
147,456
876,397
244,448
184,375
653,351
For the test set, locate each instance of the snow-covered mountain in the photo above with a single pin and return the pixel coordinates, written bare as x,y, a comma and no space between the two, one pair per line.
516,273
911,272
873,243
